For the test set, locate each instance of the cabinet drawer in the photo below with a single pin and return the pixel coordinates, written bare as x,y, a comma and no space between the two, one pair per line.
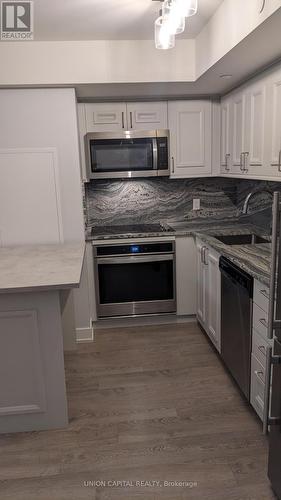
260,321
259,347
261,295
258,369
257,387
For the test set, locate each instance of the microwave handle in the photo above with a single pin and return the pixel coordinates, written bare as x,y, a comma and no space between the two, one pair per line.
155,153
87,158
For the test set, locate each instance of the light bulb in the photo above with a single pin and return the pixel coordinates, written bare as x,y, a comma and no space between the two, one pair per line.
163,38
187,8
173,14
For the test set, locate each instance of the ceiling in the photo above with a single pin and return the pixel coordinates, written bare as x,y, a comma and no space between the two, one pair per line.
107,19
242,62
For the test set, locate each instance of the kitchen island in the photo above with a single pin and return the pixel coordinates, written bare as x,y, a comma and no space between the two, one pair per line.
36,314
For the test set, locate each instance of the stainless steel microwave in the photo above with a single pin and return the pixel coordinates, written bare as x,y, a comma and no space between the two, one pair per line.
130,153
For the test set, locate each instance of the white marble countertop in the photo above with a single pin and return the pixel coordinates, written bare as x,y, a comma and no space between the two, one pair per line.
40,267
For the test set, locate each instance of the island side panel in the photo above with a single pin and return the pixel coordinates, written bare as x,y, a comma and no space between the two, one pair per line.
32,379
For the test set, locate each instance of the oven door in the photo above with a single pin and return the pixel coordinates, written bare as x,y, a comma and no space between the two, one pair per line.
115,156
135,285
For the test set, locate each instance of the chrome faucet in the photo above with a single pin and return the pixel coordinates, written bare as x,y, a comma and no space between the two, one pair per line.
251,194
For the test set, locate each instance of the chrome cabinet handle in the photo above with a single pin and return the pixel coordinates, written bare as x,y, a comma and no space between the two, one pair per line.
123,123
264,293
203,255
173,165
260,375
263,322
241,162
279,161
246,155
205,249
227,157
131,119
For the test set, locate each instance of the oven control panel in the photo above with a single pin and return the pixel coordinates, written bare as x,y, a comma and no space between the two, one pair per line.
135,249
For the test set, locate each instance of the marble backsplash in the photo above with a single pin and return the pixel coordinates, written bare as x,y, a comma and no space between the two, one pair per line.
141,201
260,205
151,200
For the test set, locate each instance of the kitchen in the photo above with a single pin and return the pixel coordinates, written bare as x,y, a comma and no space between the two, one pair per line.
139,251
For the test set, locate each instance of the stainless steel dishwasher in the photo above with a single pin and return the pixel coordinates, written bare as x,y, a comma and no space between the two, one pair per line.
236,322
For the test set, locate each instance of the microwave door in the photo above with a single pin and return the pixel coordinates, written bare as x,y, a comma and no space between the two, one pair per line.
124,157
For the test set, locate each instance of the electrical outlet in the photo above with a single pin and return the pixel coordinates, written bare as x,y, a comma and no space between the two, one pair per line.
196,203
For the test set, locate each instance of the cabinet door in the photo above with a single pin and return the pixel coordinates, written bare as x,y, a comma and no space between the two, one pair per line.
105,117
274,123
201,284
186,275
254,146
226,136
214,298
147,115
239,126
190,124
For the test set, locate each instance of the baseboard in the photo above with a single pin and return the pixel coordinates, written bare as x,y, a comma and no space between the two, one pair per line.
142,321
84,334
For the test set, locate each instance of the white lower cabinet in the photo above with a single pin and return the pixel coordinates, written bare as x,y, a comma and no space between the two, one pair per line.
257,386
260,347
186,275
209,292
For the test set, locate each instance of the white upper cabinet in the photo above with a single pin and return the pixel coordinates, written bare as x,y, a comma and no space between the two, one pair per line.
226,136
115,117
239,127
190,124
251,117
254,145
274,122
105,117
147,115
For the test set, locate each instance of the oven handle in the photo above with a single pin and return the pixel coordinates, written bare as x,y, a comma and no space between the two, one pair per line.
135,259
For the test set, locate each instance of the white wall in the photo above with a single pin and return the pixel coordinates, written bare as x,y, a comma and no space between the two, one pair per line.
100,61
41,119
231,23
137,61
45,118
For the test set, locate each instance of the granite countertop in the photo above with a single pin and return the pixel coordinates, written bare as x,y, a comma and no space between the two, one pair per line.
40,267
176,228
254,259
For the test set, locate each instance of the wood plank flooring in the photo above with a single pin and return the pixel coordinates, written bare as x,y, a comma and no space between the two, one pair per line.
145,404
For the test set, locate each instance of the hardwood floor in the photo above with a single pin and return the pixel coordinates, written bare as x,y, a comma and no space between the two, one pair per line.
145,404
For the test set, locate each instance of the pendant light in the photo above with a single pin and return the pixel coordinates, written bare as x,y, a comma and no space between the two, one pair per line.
163,38
175,19
188,7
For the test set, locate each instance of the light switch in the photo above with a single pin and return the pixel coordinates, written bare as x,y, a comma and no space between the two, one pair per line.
196,204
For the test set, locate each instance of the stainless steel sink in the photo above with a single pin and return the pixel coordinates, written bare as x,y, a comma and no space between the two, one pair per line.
241,239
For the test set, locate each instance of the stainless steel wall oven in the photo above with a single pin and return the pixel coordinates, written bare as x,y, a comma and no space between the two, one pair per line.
135,279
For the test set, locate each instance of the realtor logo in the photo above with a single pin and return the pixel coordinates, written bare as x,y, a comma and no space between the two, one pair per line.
17,20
